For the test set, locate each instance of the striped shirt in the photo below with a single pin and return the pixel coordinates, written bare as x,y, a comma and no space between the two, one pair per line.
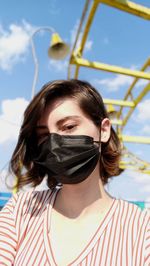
122,239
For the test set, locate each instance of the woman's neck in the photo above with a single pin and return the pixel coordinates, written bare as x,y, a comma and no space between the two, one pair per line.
78,200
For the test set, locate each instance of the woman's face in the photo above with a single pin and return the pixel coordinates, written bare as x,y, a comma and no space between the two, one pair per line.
65,117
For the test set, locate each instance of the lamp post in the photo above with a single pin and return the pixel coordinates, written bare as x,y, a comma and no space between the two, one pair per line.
57,50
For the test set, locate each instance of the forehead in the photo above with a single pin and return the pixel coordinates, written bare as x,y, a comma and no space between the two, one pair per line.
59,109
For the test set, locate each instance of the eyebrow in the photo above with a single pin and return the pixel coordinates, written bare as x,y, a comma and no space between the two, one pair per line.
60,122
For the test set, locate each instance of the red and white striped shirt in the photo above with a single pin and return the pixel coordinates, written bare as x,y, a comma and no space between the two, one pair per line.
122,239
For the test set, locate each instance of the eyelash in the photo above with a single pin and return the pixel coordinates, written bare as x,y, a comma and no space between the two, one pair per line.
69,128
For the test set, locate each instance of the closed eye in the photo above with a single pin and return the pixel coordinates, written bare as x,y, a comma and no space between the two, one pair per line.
69,128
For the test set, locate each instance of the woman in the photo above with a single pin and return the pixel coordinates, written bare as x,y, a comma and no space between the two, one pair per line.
66,136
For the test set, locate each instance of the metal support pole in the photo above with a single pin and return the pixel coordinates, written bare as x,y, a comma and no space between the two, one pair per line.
35,59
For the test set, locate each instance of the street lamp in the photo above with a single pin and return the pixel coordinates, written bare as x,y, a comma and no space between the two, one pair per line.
57,50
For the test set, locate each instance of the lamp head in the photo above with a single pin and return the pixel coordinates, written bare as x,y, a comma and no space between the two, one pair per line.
58,49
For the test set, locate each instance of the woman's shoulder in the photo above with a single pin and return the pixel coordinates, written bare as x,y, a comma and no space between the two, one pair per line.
32,194
135,207
132,208
28,201
133,215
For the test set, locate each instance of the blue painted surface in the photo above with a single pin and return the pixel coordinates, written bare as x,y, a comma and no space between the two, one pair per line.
4,197
3,202
5,194
140,204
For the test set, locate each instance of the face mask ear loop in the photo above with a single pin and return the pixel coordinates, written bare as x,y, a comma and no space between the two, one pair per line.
100,152
100,144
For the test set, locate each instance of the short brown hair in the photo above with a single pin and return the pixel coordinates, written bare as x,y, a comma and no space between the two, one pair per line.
90,102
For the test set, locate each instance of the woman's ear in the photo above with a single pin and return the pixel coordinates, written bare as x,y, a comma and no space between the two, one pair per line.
105,130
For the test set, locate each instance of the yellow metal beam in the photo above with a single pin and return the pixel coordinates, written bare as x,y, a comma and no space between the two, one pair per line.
130,7
142,94
86,31
135,139
124,5
136,101
116,122
144,67
132,167
109,68
147,172
119,102
85,10
129,91
88,24
129,100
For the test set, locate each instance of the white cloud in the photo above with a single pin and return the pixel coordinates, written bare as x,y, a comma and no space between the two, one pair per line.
58,65
14,44
146,129
142,179
144,112
88,44
11,118
139,177
114,84
142,83
146,188
3,186
147,205
141,182
5,181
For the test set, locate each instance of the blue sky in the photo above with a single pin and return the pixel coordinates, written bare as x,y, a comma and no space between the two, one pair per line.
114,38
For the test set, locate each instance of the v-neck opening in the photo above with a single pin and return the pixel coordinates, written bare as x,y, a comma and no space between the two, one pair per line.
47,225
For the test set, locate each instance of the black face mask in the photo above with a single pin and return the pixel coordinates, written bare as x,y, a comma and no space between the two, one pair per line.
69,159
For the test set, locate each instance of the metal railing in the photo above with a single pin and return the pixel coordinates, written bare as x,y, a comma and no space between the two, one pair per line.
130,102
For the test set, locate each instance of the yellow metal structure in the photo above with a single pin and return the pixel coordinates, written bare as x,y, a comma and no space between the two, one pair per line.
130,102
